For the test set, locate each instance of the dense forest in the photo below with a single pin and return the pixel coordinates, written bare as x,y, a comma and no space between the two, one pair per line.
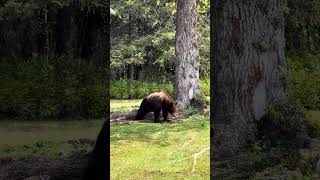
53,65
53,58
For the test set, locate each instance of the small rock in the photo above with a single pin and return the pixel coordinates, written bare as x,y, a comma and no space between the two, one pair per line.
32,178
154,171
308,154
315,144
38,177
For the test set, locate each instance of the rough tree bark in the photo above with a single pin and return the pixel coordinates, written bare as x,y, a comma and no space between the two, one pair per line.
186,84
249,68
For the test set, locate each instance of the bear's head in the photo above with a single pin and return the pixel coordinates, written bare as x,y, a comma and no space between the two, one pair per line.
173,108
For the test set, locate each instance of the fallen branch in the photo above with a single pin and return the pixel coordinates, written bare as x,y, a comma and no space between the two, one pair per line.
182,147
195,156
187,143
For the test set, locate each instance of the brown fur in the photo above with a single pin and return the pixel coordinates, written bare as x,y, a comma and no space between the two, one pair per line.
157,102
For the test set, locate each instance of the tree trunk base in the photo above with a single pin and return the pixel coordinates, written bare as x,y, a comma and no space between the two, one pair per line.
129,117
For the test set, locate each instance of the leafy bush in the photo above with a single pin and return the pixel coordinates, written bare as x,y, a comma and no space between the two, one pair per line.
205,87
304,82
42,89
124,89
304,85
284,123
312,123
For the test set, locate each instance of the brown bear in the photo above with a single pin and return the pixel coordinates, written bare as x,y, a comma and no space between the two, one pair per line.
156,102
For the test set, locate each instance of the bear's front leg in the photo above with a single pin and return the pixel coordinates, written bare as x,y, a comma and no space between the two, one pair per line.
157,116
141,113
165,114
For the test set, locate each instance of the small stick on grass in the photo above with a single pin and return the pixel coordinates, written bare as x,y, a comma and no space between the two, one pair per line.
182,147
195,156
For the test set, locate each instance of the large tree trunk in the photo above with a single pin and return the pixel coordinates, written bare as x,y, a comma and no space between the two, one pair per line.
98,162
249,68
97,166
186,83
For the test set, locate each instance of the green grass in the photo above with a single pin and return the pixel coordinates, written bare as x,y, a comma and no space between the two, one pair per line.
154,151
138,151
33,138
29,132
124,105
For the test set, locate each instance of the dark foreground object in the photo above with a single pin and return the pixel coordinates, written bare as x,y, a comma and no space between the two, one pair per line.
93,166
98,161
70,168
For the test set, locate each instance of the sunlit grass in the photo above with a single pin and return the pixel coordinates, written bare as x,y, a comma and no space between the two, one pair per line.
138,151
124,105
155,151
27,138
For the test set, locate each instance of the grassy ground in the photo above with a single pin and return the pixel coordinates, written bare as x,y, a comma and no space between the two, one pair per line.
49,138
29,138
138,151
155,151
124,105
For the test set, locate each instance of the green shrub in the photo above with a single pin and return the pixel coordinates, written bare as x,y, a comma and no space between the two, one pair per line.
312,123
304,81
40,89
123,89
205,87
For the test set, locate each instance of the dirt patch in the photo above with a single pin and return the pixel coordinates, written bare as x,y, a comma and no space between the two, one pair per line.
129,117
71,168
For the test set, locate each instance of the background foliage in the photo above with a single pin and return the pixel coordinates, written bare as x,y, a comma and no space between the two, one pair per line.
143,40
304,78
42,89
52,54
52,58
